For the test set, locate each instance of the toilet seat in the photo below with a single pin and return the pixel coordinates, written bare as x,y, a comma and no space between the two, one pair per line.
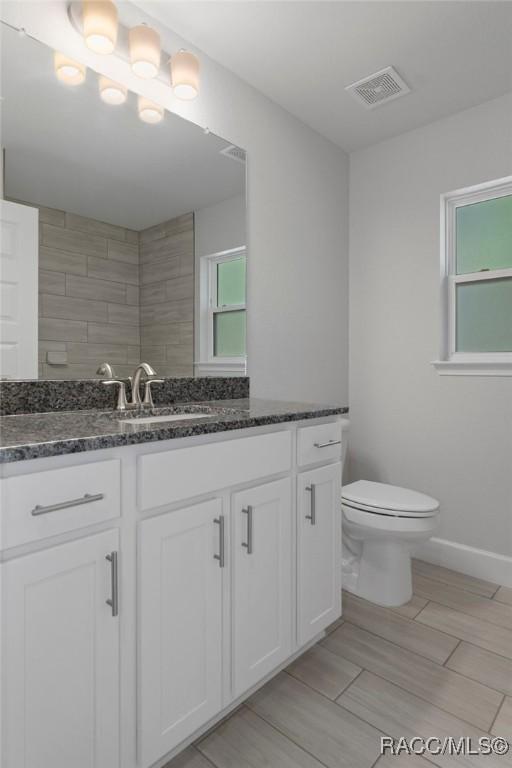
397,524
388,500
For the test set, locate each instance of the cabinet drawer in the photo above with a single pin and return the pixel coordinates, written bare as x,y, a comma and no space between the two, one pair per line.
45,504
170,476
321,442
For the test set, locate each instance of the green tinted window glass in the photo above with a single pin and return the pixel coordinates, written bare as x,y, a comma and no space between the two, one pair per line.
231,282
229,334
484,316
484,235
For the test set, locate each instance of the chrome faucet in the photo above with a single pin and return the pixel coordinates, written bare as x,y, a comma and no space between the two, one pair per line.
151,378
122,402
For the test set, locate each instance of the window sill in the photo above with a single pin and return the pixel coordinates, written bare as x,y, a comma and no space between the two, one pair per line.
473,367
227,368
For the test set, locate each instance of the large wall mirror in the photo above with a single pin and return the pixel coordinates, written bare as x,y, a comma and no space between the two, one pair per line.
122,240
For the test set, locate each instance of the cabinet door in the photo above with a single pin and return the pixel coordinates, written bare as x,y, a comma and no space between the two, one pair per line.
262,581
60,663
319,550
180,629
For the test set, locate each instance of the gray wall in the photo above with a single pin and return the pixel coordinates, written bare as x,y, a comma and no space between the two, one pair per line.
449,436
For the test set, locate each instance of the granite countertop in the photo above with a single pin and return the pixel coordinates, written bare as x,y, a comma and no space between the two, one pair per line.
37,435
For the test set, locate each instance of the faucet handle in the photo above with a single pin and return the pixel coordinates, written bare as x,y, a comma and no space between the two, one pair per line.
121,395
148,397
105,369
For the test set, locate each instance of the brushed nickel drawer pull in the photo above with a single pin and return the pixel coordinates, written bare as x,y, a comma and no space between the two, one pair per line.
221,557
327,444
114,600
248,544
312,516
86,499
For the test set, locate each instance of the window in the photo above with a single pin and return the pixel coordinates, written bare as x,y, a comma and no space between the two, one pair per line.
476,244
225,309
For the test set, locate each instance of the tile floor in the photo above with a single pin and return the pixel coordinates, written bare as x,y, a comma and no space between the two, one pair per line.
439,666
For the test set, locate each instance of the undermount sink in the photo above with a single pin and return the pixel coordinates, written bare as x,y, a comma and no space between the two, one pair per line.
169,417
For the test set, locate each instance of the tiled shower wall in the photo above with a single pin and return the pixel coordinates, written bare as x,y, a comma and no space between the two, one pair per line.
167,296
89,296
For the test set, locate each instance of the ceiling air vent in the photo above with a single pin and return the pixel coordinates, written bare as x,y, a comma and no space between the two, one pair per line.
379,88
235,153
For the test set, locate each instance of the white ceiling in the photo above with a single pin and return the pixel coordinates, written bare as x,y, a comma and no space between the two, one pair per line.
66,149
452,54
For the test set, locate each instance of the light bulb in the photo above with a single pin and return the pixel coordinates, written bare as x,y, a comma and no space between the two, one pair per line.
144,51
149,111
68,70
185,75
100,25
112,92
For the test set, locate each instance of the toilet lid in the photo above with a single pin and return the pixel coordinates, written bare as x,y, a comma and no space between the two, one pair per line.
391,497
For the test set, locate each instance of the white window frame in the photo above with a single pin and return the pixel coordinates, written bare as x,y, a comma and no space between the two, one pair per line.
210,363
466,363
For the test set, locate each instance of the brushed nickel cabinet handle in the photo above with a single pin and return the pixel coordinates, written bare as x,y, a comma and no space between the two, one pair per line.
86,499
327,444
312,516
248,544
221,557
114,600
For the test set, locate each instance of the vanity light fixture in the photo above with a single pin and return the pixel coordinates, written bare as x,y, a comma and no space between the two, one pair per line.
68,70
185,75
149,111
99,19
144,51
112,92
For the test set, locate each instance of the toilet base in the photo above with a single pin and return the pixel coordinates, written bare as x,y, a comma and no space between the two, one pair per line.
382,574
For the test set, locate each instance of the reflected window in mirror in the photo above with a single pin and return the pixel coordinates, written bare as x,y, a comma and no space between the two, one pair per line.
227,326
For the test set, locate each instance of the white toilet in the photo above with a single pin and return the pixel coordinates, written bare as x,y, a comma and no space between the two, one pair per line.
381,524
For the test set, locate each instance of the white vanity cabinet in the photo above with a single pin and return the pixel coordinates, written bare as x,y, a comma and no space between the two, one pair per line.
181,566
261,557
318,550
60,657
229,566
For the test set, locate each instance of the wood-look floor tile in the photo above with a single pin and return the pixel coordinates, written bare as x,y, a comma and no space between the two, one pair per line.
324,671
404,632
504,595
465,627
466,602
401,761
401,714
333,735
334,626
503,723
247,741
481,665
454,578
442,687
412,608
189,758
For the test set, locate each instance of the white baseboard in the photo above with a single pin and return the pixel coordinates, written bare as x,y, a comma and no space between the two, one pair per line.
474,562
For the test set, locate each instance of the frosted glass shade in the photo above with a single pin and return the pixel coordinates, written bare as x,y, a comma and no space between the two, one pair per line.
185,75
144,51
68,70
149,111
112,92
99,25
